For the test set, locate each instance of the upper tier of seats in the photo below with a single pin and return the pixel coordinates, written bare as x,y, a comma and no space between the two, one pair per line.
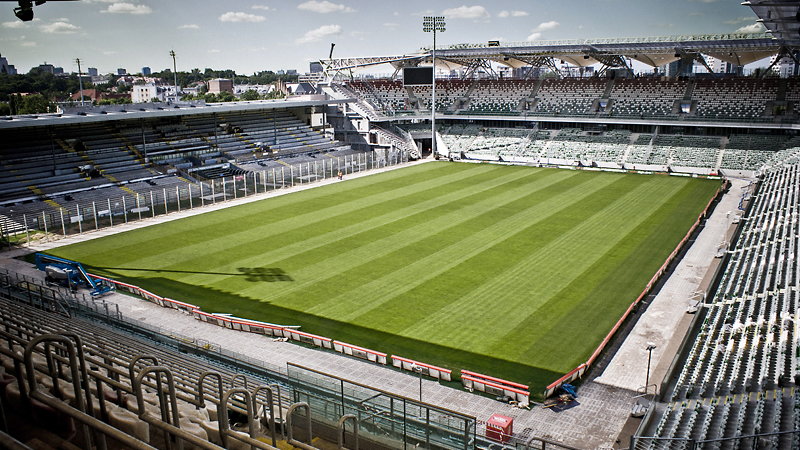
715,99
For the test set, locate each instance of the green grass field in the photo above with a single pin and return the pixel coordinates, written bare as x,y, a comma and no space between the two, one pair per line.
515,272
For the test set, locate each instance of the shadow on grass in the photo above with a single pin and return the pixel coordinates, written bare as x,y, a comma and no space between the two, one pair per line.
254,274
210,299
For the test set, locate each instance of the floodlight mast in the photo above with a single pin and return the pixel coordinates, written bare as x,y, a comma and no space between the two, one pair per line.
433,24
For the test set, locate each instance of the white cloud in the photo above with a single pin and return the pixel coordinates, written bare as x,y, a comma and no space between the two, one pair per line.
391,25
318,34
231,16
127,8
534,36
214,50
262,7
15,24
503,14
189,26
738,20
60,27
754,28
109,52
28,44
324,7
466,12
546,26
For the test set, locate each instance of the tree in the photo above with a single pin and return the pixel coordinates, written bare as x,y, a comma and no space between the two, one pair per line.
250,95
31,104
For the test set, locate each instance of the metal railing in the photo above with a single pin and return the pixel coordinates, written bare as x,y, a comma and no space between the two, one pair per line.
108,212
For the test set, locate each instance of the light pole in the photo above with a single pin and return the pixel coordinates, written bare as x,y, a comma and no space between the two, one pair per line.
418,369
433,24
80,79
174,72
650,348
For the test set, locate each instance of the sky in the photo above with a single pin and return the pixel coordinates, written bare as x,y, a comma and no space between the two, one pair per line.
254,35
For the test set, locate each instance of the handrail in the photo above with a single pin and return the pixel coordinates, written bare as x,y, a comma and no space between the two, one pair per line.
291,440
340,434
201,400
236,377
225,431
169,412
270,397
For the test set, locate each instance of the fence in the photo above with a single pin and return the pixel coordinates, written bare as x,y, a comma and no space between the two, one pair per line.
182,194
383,417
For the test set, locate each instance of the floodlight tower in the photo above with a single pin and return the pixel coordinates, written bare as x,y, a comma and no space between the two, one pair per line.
80,79
174,73
433,24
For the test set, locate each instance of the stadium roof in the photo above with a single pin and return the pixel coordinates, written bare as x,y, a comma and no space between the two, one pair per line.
80,115
735,48
781,17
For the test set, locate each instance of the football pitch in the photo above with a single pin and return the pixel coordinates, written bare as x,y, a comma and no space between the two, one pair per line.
515,272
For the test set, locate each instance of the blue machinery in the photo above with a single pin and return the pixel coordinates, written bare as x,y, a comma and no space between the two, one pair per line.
70,274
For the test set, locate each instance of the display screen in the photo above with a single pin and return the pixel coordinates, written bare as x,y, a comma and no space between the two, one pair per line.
415,76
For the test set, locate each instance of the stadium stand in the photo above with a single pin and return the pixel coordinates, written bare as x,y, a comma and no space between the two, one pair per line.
98,164
568,96
740,373
734,98
498,97
646,97
105,380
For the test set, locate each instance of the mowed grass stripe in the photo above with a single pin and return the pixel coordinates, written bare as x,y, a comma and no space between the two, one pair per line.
530,283
258,215
305,244
195,246
443,254
319,277
614,280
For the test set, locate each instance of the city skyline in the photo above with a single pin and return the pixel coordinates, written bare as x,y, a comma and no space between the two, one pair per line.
250,36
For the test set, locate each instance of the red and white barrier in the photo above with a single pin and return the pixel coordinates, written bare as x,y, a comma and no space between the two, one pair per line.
496,386
427,369
359,352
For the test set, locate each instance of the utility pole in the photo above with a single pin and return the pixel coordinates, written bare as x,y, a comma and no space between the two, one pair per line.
80,79
175,73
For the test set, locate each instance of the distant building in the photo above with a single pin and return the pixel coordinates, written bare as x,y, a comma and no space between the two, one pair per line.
315,67
100,79
146,71
261,89
786,67
218,85
122,72
91,95
291,72
720,66
91,71
46,68
58,71
6,68
141,93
